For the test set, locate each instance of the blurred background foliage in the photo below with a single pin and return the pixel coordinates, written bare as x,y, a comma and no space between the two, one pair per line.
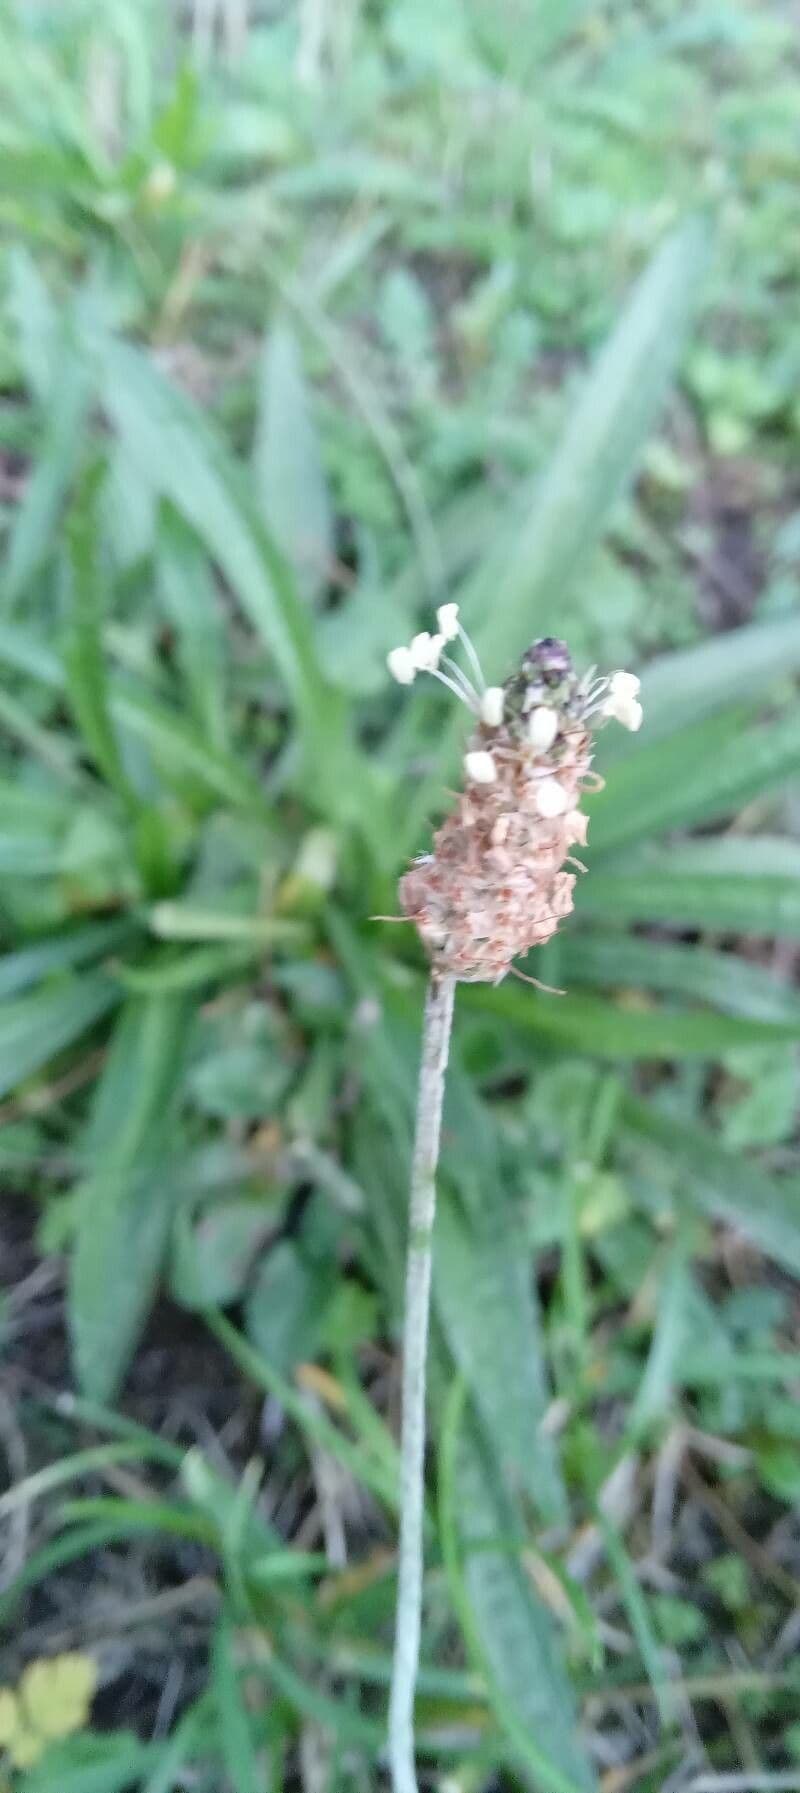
311,317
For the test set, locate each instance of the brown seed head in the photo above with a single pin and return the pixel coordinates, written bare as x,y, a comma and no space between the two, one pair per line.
494,884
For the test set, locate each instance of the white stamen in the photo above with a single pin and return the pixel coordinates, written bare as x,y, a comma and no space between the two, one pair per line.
480,767
492,706
472,657
459,688
626,710
468,691
624,684
542,728
622,700
401,665
447,618
426,650
631,715
551,798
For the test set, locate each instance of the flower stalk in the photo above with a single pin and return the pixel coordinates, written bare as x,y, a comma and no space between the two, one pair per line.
494,886
422,1210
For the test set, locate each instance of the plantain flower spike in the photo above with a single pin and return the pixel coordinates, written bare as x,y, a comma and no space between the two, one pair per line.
496,882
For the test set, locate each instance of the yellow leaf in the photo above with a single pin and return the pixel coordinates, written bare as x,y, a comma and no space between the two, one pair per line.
25,1748
58,1694
9,1716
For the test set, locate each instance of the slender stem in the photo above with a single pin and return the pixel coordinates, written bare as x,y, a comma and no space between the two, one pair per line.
435,1048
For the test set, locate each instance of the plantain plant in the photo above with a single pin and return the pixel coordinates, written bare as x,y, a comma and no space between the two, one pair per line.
195,828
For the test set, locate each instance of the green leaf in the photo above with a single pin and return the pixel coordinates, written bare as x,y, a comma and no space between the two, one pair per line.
282,1566
638,1611
763,1111
186,589
84,658
598,452
36,1027
483,1295
236,1743
186,971
42,1563
286,1306
78,947
750,886
55,750
331,1714
518,591
637,786
695,777
239,1528
35,319
506,1627
27,653
288,463
37,515
26,852
171,1771
614,1031
179,750
124,1210
134,1517
682,688
244,1066
181,921
721,1184
359,1462
91,1764
72,1468
178,451
730,983
212,1256
671,1336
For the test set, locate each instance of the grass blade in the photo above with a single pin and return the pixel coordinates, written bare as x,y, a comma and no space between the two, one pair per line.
519,591
362,1466
597,454
95,1763
83,656
170,1771
611,960
186,589
612,1031
639,1616
743,885
671,1339
508,1631
124,1210
692,779
38,513
704,1175
681,688
483,1296
79,947
179,453
180,751
69,1469
288,463
36,1027
236,1743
